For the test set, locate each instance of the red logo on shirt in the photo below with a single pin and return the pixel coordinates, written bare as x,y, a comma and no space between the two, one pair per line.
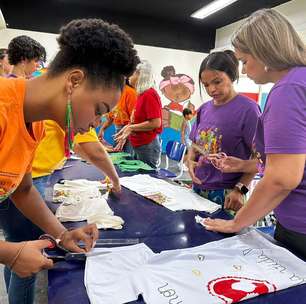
235,289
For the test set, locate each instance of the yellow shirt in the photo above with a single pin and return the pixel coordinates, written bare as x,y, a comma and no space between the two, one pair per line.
50,153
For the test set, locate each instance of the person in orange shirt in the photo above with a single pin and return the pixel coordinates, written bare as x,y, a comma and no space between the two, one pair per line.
79,86
121,116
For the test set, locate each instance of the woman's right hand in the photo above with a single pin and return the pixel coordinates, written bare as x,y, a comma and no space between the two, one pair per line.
228,164
191,164
31,260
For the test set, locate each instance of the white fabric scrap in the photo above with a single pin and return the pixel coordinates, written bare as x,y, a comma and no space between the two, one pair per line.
82,200
226,271
175,197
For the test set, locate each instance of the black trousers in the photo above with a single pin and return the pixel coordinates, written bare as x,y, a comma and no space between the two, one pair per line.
294,241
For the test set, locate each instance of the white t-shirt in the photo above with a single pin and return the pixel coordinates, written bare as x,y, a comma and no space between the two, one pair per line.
226,271
170,196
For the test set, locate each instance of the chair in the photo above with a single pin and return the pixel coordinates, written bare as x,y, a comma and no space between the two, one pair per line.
175,151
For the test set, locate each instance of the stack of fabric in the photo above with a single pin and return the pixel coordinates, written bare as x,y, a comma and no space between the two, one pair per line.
125,164
82,200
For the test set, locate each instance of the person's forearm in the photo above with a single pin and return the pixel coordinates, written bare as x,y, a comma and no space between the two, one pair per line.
7,252
246,178
32,206
250,166
106,124
96,154
147,125
191,154
267,195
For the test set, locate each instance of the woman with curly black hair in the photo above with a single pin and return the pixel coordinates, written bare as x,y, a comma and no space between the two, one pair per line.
25,54
84,81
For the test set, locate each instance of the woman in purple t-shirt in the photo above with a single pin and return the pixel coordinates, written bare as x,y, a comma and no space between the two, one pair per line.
225,124
271,51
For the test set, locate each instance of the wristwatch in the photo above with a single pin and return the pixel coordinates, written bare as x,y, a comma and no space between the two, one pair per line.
243,189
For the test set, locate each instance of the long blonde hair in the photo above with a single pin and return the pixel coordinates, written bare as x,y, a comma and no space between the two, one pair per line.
269,37
145,79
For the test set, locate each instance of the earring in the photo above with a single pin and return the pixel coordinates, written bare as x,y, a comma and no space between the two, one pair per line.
69,134
266,68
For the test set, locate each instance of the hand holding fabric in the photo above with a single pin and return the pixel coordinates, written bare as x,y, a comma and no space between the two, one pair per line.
87,234
234,200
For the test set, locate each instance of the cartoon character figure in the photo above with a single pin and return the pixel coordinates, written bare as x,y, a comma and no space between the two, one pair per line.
177,88
235,289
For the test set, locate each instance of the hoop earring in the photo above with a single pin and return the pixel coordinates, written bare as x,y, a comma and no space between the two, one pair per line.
69,134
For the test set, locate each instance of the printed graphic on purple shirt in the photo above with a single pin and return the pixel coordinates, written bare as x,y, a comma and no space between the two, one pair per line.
229,129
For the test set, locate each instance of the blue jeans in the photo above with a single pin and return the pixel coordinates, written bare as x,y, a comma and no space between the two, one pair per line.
17,228
150,153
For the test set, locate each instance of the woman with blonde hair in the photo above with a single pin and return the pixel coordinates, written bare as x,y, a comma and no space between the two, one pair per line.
146,126
271,51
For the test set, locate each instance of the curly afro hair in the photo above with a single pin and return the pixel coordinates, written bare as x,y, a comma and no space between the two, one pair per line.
24,47
103,51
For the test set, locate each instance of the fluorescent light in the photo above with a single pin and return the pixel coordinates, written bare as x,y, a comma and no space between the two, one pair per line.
211,8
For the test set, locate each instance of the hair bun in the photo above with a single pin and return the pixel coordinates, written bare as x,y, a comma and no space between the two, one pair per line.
83,38
232,55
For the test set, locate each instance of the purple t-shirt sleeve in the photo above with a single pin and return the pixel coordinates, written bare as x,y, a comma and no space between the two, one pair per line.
284,120
249,125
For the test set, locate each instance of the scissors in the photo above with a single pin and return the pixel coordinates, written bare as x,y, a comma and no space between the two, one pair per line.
57,253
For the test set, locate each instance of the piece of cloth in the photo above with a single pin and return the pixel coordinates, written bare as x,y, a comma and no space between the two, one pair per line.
168,195
148,107
130,165
226,271
228,128
17,142
282,130
118,157
82,200
150,153
121,114
50,153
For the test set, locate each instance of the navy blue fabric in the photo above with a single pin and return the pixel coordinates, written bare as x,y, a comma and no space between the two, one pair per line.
156,226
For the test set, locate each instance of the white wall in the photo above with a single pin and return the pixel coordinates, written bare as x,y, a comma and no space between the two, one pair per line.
185,62
294,10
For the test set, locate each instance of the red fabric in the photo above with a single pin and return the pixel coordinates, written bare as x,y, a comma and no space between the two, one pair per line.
148,106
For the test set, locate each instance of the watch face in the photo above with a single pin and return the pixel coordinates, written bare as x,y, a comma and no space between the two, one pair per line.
244,189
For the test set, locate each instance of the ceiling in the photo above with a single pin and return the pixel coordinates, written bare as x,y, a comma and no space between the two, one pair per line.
163,23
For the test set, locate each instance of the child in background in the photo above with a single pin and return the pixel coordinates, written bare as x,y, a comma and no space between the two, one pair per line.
185,132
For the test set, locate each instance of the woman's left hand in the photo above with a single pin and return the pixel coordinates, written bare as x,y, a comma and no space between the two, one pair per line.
234,200
219,225
87,234
123,134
